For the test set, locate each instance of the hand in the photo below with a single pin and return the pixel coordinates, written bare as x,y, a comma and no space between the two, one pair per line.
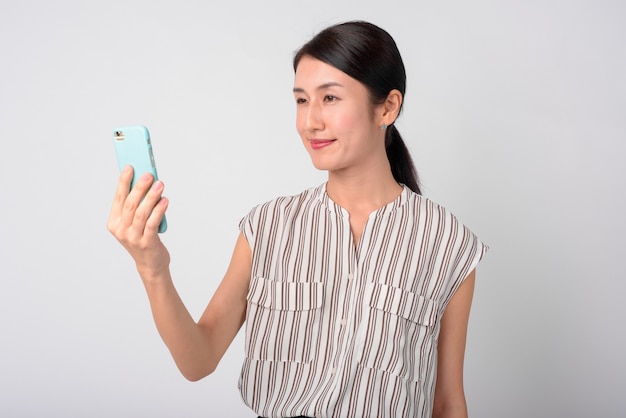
134,220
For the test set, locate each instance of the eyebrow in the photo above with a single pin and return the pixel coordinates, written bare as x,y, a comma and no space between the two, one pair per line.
321,87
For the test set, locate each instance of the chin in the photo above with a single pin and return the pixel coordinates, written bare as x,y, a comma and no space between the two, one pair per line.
323,165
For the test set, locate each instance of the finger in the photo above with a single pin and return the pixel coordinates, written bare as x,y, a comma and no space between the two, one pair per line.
154,220
134,198
147,205
121,193
140,188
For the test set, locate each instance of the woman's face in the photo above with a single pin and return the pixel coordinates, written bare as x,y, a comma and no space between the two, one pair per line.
335,118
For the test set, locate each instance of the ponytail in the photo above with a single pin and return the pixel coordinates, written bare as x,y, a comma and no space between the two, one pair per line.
402,166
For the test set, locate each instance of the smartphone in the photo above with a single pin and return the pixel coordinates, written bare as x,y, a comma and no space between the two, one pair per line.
133,147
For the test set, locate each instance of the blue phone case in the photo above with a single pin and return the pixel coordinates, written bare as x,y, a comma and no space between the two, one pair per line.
133,147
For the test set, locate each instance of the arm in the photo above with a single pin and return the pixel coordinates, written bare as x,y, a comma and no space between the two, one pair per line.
449,399
195,347
198,348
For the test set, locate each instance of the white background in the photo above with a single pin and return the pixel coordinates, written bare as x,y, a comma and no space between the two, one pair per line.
515,114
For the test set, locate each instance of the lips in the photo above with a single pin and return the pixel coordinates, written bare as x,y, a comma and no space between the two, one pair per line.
320,143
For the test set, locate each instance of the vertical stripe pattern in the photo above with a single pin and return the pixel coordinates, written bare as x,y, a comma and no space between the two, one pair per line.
334,330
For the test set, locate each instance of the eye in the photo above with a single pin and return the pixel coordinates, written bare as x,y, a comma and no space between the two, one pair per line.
300,100
330,98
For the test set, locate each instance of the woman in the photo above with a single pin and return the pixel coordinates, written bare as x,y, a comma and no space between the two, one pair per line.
356,294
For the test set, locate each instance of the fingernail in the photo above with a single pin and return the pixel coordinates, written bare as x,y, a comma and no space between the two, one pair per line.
126,168
146,177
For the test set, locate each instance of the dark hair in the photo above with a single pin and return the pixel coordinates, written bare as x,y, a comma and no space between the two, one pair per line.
368,54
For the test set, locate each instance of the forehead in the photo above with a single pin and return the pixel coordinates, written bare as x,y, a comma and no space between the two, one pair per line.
312,73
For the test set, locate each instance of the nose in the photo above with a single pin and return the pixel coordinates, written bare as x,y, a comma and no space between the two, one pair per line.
312,119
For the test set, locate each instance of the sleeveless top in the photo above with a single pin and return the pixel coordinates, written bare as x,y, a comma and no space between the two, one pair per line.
338,330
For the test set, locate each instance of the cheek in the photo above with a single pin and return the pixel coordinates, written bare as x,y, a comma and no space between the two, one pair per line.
300,122
350,122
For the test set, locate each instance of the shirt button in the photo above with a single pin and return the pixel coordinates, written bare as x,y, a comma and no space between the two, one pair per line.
333,370
343,322
350,276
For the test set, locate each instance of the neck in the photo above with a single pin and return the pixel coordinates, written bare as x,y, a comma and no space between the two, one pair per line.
362,192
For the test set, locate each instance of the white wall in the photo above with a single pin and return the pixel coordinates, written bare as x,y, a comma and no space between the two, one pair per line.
515,114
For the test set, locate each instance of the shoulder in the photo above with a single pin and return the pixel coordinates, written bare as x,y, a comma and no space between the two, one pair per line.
439,222
425,207
285,204
291,201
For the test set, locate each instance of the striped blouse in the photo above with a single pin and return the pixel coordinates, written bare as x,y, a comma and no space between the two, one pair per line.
338,330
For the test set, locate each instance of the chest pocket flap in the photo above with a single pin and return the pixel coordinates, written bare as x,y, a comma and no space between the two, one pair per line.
409,305
285,296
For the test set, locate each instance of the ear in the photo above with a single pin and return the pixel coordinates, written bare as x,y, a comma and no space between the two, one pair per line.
391,107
